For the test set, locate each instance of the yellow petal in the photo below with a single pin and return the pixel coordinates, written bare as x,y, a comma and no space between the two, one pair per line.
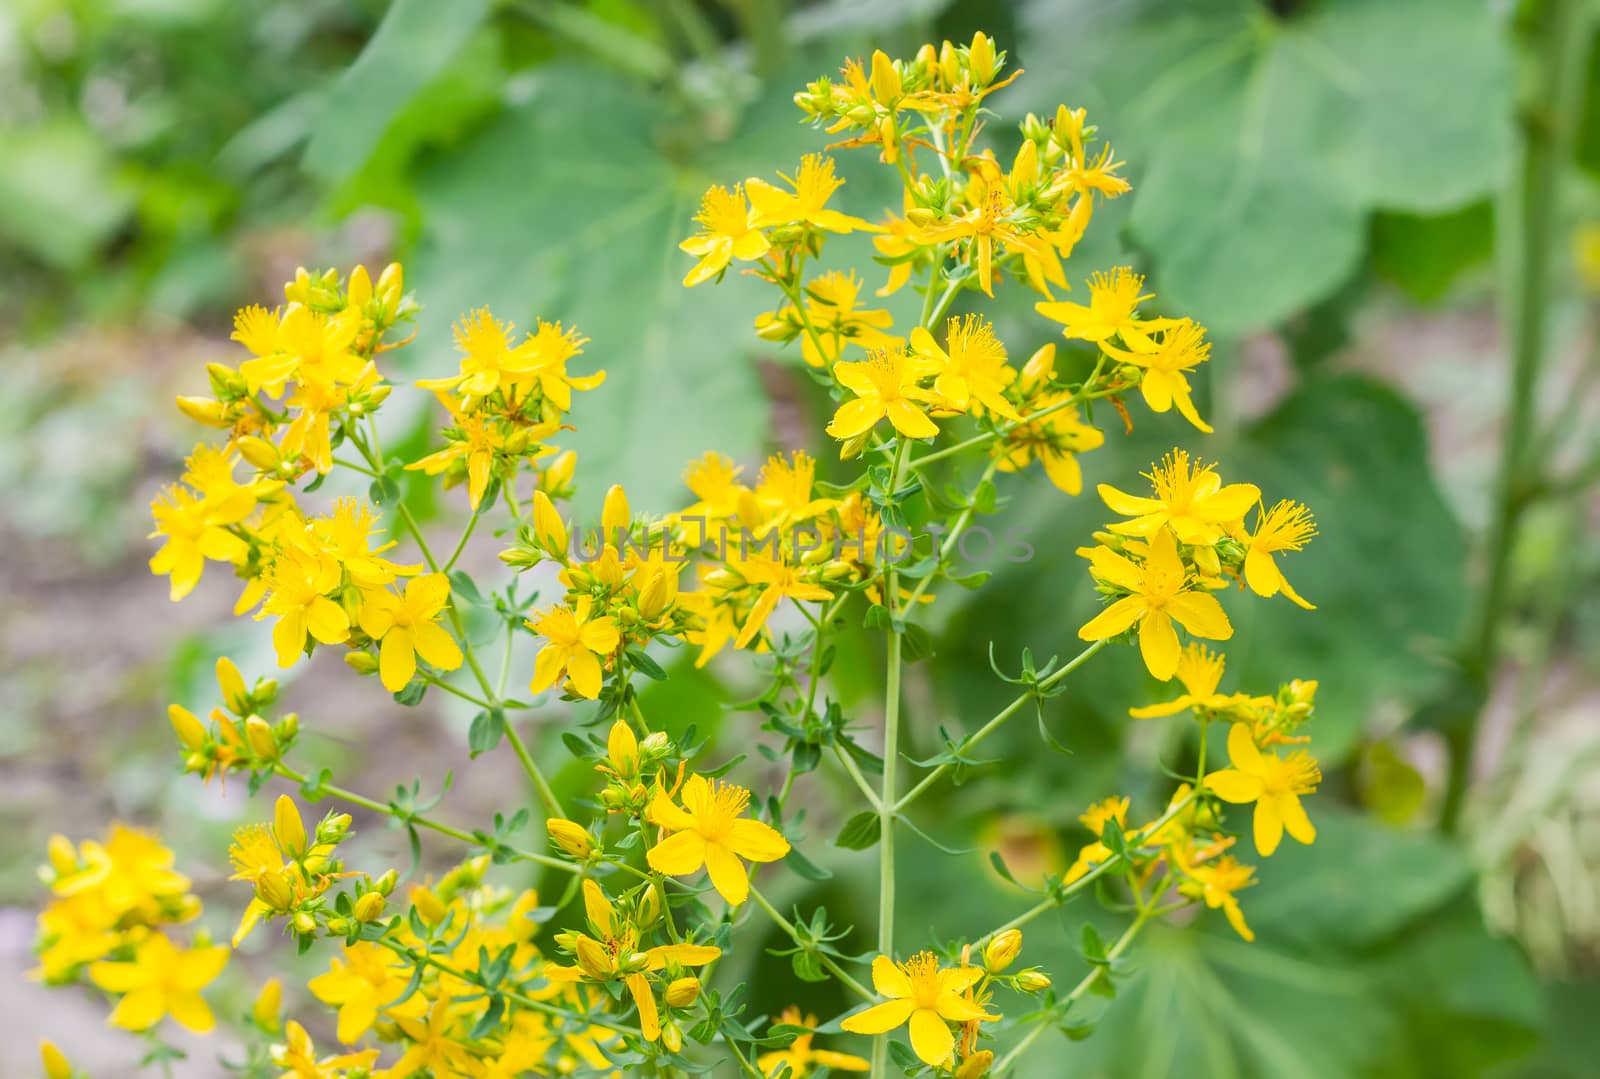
1268,827
931,1037
757,841
728,874
889,979
1158,644
1201,614
1232,785
881,1018
678,855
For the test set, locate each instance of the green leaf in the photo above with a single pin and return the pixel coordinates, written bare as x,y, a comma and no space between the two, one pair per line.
1425,255
412,45
1355,452
1259,143
488,727
860,831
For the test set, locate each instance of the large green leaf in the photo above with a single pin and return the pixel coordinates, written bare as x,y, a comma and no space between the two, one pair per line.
553,213
412,45
1388,573
1259,143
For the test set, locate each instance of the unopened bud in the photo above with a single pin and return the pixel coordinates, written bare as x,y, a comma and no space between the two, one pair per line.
615,514
259,452
334,828
287,827
358,290
671,1036
1002,951
385,884
204,410
649,911
427,904
548,528
886,85
274,891
981,59
570,836
682,992
976,1065
191,732
593,958
391,283
622,749
369,907
304,922
949,64
1033,981
259,734
267,1006
1206,561
361,662
54,1061
62,854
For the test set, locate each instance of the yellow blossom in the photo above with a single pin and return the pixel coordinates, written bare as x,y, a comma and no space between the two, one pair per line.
575,643
1160,595
711,830
1165,355
1094,819
885,385
798,1055
1287,526
973,369
435,1046
1218,882
409,627
778,580
927,997
1113,300
364,983
488,357
196,529
1200,671
1191,499
297,598
814,184
161,980
728,230
1273,783
298,1056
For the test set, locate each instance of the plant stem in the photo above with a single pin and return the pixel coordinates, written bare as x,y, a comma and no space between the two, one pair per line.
999,718
1531,220
823,957
429,823
950,541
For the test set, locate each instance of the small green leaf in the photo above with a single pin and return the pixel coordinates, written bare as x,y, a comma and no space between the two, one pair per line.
860,831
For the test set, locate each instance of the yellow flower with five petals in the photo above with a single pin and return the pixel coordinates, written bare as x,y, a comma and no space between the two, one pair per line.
927,997
710,830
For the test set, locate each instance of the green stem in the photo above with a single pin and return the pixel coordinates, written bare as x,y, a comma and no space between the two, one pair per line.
1532,220
547,795
823,957
461,544
999,718
950,541
352,798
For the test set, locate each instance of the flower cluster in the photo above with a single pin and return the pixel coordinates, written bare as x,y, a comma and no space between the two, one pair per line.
626,968
109,919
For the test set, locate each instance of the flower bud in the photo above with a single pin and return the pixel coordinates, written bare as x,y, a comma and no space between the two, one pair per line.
204,410
1206,561
259,734
427,904
334,827
267,1006
671,1036
886,85
976,1065
1033,981
1002,950
191,732
391,284
385,884
54,1061
369,907
622,749
981,59
594,959
614,514
274,891
682,992
570,836
287,827
548,527
649,911
304,922
361,662
358,290
259,452
62,854
927,56
949,65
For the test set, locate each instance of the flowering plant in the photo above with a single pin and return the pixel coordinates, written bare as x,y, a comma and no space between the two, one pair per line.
461,975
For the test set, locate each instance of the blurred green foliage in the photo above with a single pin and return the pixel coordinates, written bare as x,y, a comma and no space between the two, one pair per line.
1288,160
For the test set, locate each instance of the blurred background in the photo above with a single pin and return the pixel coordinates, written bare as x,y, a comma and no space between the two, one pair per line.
1386,211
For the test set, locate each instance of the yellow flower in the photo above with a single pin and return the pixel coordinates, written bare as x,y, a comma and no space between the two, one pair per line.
728,230
409,627
1191,499
574,644
1094,819
800,1057
885,385
982,226
1285,527
779,581
974,368
1160,594
56,1065
298,601
161,980
195,529
1218,881
550,347
1200,671
710,830
1113,300
926,997
1273,783
434,1045
832,308
1165,355
714,481
813,186
488,358
367,981
783,494
299,1057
